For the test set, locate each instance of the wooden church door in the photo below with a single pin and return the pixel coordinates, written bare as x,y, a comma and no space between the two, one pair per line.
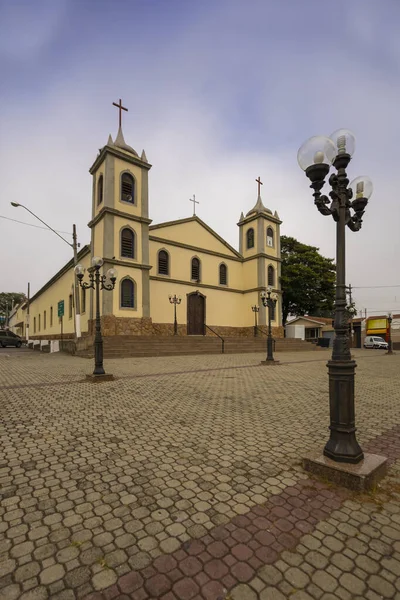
196,314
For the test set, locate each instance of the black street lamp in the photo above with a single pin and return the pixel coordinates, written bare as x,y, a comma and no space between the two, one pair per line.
270,302
346,205
97,282
255,310
390,344
175,300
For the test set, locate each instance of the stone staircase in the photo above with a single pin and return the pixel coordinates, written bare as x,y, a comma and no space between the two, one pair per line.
131,345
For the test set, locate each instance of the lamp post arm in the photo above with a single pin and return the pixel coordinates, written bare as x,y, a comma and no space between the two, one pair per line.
48,226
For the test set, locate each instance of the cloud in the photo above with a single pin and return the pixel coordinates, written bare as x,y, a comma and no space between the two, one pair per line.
27,28
227,97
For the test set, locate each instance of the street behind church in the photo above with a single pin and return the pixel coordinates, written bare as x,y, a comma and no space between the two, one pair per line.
182,479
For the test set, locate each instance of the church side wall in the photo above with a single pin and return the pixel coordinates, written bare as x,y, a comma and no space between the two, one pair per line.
59,290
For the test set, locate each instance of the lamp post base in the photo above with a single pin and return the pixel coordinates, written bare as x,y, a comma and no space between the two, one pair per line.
361,477
102,377
342,445
270,363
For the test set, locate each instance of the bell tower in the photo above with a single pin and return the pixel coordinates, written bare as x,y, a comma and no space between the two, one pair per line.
259,244
120,225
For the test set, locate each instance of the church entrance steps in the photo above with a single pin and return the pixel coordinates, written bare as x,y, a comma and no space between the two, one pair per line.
140,346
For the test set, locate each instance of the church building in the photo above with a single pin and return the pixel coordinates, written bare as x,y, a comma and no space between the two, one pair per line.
217,284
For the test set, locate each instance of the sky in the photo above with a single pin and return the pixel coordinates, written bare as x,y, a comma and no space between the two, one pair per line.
219,92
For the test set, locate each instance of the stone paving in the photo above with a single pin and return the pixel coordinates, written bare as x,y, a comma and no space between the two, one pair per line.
181,480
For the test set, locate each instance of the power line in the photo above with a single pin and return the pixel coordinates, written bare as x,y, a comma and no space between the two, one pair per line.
31,225
373,287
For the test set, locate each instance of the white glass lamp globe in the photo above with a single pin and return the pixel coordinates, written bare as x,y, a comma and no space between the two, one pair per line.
344,141
97,261
362,187
316,150
112,274
79,270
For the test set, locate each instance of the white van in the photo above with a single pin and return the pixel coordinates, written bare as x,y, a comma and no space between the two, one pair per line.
374,341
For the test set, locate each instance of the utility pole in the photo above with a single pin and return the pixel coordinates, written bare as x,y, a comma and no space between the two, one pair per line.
27,315
76,285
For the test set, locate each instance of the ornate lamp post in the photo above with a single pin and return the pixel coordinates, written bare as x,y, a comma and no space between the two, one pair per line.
255,310
390,345
97,282
175,300
270,302
346,205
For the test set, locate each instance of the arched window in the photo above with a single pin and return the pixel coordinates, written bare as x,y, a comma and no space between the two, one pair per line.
127,188
127,299
127,243
270,237
163,263
100,190
223,274
271,275
195,270
250,238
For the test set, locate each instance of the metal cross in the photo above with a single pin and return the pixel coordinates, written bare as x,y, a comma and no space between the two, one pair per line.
259,184
194,204
121,108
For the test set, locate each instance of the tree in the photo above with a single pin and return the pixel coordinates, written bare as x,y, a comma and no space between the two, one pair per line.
307,281
9,299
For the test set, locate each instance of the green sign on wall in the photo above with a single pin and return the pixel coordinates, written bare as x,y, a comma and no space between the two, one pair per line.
61,308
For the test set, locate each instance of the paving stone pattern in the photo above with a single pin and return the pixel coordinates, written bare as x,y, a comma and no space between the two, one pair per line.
182,480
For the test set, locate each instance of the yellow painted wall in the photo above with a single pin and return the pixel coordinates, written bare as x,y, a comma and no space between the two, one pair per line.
60,290
98,238
222,308
193,234
180,265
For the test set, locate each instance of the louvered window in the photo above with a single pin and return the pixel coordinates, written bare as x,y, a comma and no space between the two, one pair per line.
195,269
39,323
223,274
127,188
271,275
51,316
44,320
83,300
250,238
163,263
127,243
100,190
270,237
127,293
70,306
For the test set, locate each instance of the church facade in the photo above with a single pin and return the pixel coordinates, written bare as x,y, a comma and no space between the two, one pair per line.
218,284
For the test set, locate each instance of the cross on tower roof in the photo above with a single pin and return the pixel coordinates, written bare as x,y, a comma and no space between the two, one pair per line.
121,108
194,204
260,183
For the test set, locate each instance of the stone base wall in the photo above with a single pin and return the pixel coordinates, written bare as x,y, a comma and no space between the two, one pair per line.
111,325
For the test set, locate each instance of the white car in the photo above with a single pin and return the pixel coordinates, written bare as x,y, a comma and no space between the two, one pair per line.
374,341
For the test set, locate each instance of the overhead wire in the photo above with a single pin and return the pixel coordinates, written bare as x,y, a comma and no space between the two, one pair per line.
31,225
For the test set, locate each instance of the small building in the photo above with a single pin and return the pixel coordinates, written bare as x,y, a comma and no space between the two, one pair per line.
305,328
311,328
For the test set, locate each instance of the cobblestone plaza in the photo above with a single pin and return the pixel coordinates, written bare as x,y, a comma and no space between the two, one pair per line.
182,480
